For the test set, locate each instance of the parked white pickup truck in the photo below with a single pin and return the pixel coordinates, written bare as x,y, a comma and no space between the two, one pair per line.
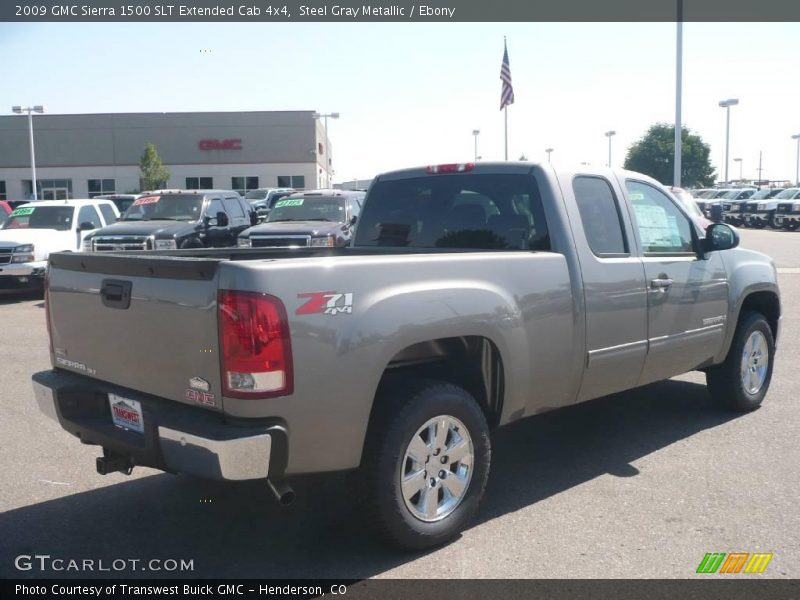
36,229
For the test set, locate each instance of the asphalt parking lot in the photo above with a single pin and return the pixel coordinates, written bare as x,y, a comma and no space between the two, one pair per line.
639,484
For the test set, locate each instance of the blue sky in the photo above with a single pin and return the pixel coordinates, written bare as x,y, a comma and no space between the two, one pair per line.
411,94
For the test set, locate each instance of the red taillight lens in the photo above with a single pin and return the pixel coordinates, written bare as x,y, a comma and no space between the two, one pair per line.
255,345
451,168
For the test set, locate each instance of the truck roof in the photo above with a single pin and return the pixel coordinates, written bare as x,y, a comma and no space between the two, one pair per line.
70,202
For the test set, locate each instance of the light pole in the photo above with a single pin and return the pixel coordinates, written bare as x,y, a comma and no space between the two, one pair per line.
796,136
476,133
324,117
739,160
726,104
549,151
609,135
30,110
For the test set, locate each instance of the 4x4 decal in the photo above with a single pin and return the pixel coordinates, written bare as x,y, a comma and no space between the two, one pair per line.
326,303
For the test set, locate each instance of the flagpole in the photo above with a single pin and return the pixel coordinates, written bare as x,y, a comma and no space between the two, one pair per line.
505,111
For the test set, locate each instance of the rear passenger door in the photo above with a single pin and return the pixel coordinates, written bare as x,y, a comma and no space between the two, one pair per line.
615,295
687,296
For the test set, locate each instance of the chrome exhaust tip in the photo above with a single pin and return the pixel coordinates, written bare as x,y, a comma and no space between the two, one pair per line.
282,491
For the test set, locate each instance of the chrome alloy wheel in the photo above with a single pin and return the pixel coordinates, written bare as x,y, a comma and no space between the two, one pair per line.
437,468
755,362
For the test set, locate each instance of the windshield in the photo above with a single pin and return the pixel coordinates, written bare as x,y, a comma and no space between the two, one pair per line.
732,195
172,207
308,209
256,195
761,194
41,217
787,194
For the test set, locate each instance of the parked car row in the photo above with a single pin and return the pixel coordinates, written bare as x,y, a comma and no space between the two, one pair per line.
768,207
170,220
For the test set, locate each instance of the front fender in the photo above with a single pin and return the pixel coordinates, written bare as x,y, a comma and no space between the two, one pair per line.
748,272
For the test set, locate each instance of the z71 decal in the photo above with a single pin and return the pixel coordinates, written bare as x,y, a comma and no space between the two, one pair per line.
326,303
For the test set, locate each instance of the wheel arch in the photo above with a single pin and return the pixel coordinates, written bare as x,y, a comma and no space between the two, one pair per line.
472,362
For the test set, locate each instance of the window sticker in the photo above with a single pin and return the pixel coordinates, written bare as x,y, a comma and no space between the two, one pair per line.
291,202
22,212
656,228
146,200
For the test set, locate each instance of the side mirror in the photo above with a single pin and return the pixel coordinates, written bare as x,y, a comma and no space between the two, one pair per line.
86,226
353,220
253,217
716,212
720,236
222,219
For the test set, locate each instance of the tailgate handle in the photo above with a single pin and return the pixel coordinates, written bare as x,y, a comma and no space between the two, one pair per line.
116,293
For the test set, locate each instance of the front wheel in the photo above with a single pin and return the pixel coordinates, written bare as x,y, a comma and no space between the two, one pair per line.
741,382
426,463
772,222
790,226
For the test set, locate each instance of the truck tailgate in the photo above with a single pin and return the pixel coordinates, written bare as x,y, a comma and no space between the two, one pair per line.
144,322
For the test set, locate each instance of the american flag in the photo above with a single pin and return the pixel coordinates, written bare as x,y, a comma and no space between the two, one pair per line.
507,93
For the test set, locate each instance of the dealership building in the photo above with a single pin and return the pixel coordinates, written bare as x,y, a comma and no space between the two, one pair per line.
82,156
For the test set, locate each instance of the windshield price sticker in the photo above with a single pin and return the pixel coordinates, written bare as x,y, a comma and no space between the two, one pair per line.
292,202
22,212
146,200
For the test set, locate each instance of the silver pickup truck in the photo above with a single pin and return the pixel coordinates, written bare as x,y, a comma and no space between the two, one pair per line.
472,296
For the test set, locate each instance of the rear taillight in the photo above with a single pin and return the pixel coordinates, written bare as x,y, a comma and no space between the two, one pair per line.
255,347
451,168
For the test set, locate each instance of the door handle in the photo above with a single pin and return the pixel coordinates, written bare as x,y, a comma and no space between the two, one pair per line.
661,283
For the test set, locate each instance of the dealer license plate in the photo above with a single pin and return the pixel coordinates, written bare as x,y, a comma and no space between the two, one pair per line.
126,413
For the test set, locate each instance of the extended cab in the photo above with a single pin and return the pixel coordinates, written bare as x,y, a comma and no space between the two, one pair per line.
472,296
35,229
170,219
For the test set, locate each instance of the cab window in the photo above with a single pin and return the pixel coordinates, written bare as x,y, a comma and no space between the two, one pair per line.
108,213
214,206
663,228
88,214
233,208
602,222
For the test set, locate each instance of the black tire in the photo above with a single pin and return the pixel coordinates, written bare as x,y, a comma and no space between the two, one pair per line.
725,381
789,226
772,223
191,243
759,224
403,409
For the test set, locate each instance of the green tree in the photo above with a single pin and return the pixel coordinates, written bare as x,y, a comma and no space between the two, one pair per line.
153,173
654,155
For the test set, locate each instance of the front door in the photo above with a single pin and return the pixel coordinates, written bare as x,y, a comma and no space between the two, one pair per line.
687,296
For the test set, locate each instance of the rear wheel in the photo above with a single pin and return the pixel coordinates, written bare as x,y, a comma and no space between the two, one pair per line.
741,382
426,463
